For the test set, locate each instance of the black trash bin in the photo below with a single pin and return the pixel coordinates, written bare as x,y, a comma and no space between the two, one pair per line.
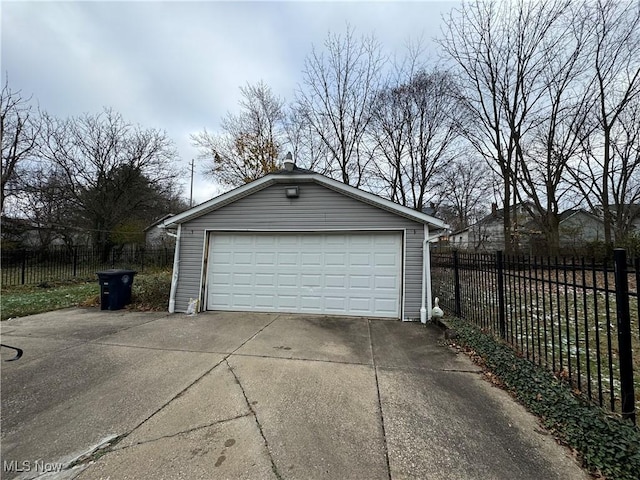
115,288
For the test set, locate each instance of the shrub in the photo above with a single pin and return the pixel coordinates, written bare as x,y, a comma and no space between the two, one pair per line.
151,291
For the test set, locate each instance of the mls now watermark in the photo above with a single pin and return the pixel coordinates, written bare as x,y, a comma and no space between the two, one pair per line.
37,466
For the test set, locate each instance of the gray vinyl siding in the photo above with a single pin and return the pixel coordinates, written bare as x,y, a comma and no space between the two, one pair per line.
317,208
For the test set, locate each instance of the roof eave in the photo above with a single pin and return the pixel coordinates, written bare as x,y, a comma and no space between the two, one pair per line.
268,180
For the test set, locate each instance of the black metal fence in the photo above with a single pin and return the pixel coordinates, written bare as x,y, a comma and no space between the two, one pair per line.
20,267
578,318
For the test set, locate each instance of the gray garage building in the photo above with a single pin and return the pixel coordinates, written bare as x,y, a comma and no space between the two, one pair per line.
297,241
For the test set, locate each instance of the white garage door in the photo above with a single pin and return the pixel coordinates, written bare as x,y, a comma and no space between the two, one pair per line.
330,273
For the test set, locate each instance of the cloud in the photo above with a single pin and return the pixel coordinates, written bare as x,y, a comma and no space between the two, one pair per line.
178,66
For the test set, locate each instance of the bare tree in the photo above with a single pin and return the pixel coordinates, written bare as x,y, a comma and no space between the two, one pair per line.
335,98
111,171
389,133
45,203
464,190
307,148
614,50
500,52
19,135
625,171
414,127
560,121
250,142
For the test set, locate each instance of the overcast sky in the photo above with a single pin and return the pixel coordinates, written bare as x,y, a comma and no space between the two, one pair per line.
178,66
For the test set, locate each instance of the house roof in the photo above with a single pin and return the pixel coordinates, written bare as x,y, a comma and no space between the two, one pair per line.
572,212
158,221
299,175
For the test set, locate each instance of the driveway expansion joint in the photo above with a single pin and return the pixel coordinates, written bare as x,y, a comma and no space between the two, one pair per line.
460,370
143,347
339,362
375,372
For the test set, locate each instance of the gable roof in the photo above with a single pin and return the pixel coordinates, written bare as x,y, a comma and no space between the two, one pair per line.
301,177
567,214
158,221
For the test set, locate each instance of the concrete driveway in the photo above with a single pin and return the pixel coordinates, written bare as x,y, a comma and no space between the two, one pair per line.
256,396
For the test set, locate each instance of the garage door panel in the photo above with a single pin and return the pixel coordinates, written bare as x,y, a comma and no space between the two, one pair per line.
220,298
242,279
287,302
220,259
266,259
311,303
341,273
243,258
337,240
264,279
360,304
335,281
287,241
242,300
360,281
287,259
264,241
312,259
220,279
335,304
311,280
361,241
385,305
386,259
383,282
357,260
287,280
335,260
265,301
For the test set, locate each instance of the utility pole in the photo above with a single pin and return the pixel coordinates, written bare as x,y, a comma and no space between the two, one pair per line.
191,194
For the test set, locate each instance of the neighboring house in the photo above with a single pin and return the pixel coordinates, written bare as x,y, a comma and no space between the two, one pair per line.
297,241
460,239
155,237
630,215
23,233
579,227
487,234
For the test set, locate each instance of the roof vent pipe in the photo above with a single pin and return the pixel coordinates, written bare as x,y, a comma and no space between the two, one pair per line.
289,164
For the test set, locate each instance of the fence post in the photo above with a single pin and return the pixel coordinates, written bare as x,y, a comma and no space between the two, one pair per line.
24,266
75,261
456,277
624,334
501,313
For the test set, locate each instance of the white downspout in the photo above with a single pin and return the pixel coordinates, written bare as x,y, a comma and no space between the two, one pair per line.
428,269
425,256
174,277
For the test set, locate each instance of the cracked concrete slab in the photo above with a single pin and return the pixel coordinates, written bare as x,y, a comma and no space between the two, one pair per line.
77,323
333,413
313,337
33,348
232,449
455,425
214,398
55,407
321,420
416,346
216,332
